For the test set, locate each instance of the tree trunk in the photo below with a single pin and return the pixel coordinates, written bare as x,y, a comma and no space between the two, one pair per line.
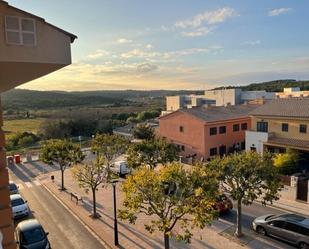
94,204
62,180
166,241
238,232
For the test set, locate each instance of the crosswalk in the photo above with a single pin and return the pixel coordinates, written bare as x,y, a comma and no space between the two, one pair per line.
23,185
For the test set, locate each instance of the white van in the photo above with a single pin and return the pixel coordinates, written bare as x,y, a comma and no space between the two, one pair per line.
121,168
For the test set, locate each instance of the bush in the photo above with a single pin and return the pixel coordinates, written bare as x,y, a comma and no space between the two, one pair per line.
287,163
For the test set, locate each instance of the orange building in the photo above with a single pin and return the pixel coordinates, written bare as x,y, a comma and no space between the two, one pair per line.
30,48
203,132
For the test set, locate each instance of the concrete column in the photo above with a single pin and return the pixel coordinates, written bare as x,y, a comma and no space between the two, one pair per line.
6,218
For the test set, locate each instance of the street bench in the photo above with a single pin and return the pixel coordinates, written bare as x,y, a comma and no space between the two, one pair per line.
76,197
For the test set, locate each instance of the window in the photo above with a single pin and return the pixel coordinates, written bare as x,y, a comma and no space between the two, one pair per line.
213,151
303,128
277,223
285,127
222,129
262,126
304,231
291,227
181,128
244,126
20,31
182,147
213,131
222,150
236,127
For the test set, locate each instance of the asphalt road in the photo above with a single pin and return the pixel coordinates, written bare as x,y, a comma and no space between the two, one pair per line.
65,231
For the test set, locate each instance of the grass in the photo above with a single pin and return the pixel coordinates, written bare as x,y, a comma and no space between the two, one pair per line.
11,127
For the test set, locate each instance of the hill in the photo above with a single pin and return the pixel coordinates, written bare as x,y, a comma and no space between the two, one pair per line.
273,86
21,99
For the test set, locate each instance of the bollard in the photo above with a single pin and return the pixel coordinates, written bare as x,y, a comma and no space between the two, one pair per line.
52,178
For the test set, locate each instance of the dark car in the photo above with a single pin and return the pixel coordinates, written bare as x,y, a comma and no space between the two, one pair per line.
292,228
223,204
13,188
29,234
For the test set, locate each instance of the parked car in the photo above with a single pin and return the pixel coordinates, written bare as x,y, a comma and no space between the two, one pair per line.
29,234
19,206
291,228
120,168
13,188
223,204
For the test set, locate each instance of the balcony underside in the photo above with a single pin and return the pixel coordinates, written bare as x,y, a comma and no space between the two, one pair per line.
13,74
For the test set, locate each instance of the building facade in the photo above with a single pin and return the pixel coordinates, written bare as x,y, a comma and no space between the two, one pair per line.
204,132
279,124
29,48
292,92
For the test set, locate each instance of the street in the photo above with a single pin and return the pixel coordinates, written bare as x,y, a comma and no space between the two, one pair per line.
65,231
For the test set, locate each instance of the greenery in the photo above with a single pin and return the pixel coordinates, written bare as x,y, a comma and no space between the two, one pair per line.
246,177
109,147
21,140
151,153
273,86
91,176
143,131
287,162
62,153
170,196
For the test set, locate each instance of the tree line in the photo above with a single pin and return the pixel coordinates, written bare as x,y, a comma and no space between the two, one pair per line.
162,188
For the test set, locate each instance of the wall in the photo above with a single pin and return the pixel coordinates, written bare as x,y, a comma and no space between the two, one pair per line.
228,139
224,96
252,95
53,46
274,126
6,219
174,103
192,135
256,139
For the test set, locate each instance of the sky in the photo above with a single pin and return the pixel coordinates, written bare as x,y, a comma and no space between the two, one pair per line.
176,44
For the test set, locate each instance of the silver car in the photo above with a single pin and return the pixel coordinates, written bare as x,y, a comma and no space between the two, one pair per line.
291,228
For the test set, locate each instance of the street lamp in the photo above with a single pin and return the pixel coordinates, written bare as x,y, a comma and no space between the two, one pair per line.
114,182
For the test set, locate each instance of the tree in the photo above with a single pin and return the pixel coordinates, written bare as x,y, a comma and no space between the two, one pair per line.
143,131
246,177
170,196
109,147
151,153
287,163
91,176
62,153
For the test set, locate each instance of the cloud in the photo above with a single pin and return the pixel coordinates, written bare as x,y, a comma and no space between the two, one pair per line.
252,43
149,46
203,31
138,53
277,12
209,17
124,40
98,54
146,67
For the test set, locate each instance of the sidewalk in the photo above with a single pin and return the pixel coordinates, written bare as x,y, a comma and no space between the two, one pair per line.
292,206
135,236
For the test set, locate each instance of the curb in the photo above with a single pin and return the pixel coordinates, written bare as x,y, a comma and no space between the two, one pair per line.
89,229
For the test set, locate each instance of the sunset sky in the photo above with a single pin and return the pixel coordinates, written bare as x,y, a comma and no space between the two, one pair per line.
176,44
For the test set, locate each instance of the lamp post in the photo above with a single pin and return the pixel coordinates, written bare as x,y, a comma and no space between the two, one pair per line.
114,182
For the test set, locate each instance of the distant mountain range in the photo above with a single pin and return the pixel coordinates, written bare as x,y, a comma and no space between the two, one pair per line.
27,99
273,86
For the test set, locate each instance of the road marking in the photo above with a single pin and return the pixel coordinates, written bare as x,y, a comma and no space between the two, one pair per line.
37,183
28,184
